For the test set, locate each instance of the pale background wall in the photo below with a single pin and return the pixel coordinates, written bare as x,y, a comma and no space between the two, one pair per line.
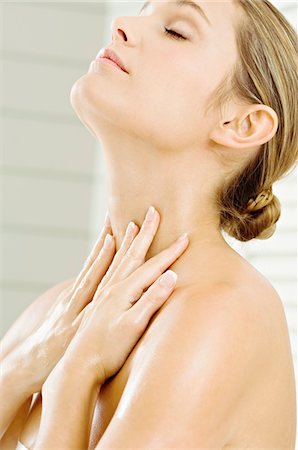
48,166
52,184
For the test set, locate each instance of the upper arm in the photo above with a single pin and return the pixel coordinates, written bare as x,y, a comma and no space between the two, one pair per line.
185,389
32,315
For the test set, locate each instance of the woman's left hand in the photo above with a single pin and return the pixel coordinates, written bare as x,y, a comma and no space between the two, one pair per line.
119,313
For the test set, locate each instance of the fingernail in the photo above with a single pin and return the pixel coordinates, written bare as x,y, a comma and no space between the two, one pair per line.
183,237
169,278
150,213
107,219
131,227
108,241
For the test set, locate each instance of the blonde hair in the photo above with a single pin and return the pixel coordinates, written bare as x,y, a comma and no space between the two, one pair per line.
265,73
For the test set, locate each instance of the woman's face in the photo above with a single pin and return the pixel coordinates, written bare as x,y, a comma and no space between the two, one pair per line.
163,98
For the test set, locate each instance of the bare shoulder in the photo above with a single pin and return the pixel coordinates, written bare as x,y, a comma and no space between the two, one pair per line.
241,303
241,292
246,327
203,353
247,300
31,316
263,300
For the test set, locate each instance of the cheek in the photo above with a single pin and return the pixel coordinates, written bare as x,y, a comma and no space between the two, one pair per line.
174,89
167,108
172,93
179,79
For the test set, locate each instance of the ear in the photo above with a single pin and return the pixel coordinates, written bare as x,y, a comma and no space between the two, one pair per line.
253,126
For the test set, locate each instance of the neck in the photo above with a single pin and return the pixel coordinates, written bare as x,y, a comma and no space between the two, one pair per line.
180,190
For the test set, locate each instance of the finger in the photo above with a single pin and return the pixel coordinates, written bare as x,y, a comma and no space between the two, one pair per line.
135,255
147,274
100,242
142,242
151,301
130,234
86,289
94,252
79,319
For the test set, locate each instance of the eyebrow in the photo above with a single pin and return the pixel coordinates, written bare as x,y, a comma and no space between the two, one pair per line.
183,3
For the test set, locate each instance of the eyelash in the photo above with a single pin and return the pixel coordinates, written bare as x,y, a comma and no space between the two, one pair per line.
173,34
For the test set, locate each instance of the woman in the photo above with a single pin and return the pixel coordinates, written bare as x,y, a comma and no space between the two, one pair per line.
201,124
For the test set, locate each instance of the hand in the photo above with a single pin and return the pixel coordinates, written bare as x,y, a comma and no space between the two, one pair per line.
43,348
120,311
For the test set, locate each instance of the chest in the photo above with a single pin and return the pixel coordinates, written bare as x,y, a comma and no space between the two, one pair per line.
106,404
108,400
266,418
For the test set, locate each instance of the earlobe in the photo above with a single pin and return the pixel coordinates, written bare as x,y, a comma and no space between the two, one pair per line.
256,125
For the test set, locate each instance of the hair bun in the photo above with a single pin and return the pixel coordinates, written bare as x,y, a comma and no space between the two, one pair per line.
262,200
256,221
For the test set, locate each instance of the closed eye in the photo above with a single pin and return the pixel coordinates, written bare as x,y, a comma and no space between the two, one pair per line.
174,34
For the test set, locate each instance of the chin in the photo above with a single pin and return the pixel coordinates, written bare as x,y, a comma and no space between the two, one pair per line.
82,94
94,108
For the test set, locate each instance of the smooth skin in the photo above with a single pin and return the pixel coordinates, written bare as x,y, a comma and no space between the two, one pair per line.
112,324
45,342
91,306
162,147
160,144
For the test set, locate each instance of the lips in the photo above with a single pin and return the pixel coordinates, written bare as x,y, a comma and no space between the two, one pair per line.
110,54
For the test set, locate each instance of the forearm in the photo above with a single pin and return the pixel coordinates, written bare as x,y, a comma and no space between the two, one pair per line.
68,403
14,430
17,386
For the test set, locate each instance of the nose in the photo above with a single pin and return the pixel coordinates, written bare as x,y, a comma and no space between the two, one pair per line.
124,29
118,29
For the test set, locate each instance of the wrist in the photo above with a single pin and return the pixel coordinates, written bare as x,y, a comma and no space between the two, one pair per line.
18,374
68,401
69,373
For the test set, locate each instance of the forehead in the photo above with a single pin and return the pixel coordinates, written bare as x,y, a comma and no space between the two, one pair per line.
224,16
219,11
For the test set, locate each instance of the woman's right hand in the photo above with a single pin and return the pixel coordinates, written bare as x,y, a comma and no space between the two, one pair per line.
38,354
45,346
